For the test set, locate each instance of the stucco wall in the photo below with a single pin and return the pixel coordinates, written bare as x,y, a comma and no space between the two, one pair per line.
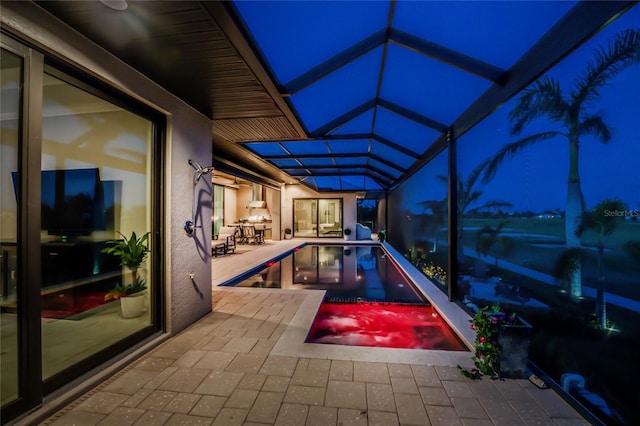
188,137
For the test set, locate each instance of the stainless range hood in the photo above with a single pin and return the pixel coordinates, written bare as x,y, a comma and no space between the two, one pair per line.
256,204
257,197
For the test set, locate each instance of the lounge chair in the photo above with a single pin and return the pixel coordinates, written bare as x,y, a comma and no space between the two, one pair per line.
224,242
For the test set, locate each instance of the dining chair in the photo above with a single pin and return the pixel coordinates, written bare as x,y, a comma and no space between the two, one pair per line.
249,234
259,228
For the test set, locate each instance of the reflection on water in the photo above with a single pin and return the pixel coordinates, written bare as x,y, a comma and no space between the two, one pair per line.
347,273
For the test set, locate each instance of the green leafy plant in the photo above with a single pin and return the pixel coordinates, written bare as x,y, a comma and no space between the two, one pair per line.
287,231
132,251
125,290
382,235
486,323
436,272
347,231
417,257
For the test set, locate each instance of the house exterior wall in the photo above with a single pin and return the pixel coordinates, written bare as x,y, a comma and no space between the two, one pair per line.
188,137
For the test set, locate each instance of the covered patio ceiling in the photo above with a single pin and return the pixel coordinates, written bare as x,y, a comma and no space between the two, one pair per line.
339,95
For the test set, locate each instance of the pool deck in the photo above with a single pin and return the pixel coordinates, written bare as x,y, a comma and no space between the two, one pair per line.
246,363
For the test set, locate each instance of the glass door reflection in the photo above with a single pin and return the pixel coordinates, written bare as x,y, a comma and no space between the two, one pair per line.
11,77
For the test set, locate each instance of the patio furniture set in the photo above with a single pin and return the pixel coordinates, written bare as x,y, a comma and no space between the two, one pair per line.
225,241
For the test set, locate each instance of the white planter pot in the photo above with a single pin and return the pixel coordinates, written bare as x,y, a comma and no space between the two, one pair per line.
133,306
288,236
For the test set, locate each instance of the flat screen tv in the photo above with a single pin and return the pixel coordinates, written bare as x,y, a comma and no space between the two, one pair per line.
72,202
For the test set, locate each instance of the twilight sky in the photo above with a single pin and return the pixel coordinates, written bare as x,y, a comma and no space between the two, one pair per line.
536,178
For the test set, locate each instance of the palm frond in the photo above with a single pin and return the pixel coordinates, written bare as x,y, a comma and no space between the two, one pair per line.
587,222
568,263
622,51
487,236
442,178
601,218
510,149
475,173
473,196
594,125
542,98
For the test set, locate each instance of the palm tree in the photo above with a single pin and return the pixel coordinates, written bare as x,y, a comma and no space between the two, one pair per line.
467,196
571,112
437,218
603,223
487,237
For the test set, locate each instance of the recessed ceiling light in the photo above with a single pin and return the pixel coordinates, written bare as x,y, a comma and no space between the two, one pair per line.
115,4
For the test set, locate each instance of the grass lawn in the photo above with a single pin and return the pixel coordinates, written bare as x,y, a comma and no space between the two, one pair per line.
537,243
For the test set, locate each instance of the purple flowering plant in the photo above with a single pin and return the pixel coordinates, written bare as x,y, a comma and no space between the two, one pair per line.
486,323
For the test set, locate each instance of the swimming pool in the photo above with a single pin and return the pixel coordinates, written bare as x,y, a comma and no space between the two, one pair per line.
368,301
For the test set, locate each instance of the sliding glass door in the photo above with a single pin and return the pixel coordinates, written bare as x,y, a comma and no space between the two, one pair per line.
305,217
11,72
217,213
80,171
317,217
96,163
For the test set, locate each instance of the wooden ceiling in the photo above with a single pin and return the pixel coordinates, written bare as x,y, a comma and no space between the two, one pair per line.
195,51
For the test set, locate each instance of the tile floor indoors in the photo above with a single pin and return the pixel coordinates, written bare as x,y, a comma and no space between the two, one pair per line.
246,363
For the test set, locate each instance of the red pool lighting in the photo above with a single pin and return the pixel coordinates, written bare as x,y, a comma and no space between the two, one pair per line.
385,325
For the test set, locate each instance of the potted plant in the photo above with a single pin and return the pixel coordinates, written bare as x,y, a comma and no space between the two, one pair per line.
287,233
382,234
132,251
502,344
347,233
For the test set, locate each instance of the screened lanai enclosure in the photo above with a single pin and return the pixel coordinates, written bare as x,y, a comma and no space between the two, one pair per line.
498,141
379,86
499,138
